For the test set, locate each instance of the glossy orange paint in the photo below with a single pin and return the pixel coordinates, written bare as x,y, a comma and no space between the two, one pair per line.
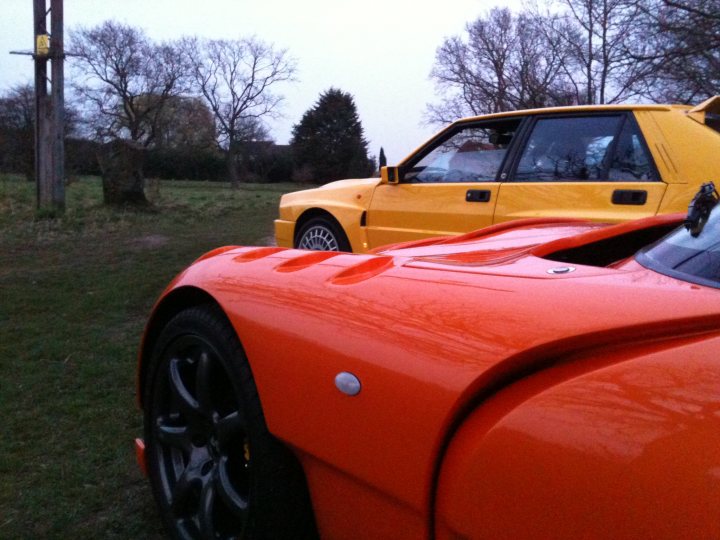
140,456
454,341
619,446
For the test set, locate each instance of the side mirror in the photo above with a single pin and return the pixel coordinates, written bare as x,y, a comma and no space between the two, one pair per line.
389,175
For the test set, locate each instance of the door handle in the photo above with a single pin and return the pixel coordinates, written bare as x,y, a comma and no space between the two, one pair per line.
635,197
477,195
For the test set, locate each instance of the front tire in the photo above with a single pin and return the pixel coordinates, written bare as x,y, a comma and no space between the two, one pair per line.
215,470
321,234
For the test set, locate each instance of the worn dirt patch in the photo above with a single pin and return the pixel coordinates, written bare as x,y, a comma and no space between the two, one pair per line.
150,241
267,241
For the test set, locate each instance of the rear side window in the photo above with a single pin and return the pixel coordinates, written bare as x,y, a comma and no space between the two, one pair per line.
630,161
584,149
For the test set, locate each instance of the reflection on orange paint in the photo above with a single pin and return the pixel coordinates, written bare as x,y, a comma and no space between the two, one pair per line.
623,446
140,456
498,400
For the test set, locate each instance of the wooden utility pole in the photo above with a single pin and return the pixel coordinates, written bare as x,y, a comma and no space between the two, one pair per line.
49,107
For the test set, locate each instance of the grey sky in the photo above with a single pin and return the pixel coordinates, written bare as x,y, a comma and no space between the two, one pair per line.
381,51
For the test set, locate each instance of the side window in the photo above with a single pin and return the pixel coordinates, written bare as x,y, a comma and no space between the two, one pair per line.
473,154
569,149
630,161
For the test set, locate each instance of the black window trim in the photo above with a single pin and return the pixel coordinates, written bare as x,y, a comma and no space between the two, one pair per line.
456,128
643,143
511,165
648,262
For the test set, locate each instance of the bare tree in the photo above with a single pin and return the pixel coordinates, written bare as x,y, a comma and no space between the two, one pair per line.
540,62
185,123
682,49
559,52
124,80
505,62
17,129
601,68
17,121
236,78
17,107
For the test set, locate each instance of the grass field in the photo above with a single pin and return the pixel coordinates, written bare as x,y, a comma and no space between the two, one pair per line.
74,295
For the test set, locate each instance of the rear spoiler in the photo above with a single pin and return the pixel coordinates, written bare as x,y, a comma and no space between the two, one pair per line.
708,112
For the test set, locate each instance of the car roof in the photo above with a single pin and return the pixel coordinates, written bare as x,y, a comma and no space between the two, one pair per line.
552,110
575,109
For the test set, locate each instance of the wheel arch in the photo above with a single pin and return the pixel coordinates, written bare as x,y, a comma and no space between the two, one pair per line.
345,225
286,462
173,303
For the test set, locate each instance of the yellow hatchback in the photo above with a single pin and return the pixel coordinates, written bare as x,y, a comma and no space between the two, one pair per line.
605,163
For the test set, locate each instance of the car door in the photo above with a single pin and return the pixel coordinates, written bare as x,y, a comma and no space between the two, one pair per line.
449,187
589,166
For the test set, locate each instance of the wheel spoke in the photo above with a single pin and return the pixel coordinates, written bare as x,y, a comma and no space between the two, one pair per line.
183,489
187,402
234,501
198,429
207,504
203,384
185,526
175,436
319,238
228,427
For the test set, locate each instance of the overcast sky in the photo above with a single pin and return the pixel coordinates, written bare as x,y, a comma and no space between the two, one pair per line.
381,51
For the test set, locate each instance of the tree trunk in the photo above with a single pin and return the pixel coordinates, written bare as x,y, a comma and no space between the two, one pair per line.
121,164
232,168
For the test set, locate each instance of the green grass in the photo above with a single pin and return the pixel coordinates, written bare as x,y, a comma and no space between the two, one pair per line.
74,296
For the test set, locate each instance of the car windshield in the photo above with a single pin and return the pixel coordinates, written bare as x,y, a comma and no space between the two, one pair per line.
691,258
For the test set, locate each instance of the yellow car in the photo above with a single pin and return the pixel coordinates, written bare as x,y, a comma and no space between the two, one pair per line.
605,163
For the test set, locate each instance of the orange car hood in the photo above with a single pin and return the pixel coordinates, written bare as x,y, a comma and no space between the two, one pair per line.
447,319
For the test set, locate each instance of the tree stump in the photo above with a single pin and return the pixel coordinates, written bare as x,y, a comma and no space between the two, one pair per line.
121,164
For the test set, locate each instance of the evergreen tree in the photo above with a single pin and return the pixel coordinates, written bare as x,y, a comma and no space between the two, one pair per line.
382,159
328,143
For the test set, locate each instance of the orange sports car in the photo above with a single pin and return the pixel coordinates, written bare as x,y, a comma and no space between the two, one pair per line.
534,379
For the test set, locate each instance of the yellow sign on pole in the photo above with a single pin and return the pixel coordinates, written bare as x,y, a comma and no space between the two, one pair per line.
42,45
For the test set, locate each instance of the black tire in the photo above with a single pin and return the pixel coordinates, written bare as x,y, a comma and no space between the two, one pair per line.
215,470
322,234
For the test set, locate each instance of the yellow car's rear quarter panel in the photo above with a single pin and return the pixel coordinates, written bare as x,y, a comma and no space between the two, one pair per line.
685,152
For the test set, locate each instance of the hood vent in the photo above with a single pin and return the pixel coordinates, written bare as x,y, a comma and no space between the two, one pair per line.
360,272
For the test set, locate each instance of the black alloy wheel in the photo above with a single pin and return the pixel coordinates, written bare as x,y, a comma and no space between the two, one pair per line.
215,470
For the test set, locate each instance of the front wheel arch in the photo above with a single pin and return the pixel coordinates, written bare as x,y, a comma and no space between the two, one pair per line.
173,303
318,213
278,474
